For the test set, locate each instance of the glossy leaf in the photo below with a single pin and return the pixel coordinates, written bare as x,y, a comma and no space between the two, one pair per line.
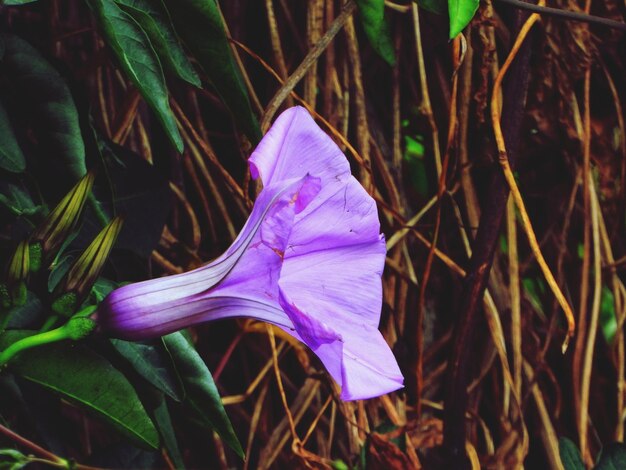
612,457
152,364
156,22
87,379
570,455
11,157
199,24
372,14
461,13
47,101
201,393
139,60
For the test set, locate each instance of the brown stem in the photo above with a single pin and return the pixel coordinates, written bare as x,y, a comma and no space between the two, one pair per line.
461,358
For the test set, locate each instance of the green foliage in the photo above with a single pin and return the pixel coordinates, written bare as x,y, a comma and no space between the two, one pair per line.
83,377
570,455
11,459
11,157
200,26
139,192
47,101
376,28
612,457
439,7
156,22
153,365
201,394
608,321
534,288
163,421
461,13
414,159
139,60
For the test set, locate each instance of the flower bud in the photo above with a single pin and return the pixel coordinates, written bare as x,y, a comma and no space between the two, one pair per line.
54,230
85,270
17,273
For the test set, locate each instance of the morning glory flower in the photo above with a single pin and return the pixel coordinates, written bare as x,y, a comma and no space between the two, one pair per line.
309,260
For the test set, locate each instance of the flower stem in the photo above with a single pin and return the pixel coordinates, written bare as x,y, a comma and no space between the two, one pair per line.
79,327
40,339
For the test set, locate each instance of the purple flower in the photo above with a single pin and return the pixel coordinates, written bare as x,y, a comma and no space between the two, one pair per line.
309,260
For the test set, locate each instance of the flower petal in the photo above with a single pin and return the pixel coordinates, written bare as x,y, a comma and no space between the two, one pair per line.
294,147
355,354
248,270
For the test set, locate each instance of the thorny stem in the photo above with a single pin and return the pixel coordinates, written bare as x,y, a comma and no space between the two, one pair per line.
461,358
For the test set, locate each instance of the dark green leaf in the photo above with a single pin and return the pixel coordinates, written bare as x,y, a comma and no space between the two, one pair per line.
163,420
156,22
48,101
376,28
199,24
152,364
11,156
139,60
102,287
26,315
87,379
608,322
141,194
461,13
570,456
439,7
18,2
201,393
612,457
60,267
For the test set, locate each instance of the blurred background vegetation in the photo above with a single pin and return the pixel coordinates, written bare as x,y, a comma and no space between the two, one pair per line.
164,101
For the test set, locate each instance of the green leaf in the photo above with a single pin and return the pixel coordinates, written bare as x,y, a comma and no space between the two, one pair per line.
18,2
199,24
139,60
612,457
17,200
201,393
414,158
11,156
141,193
608,322
377,29
570,456
156,22
439,7
80,375
47,101
26,315
461,13
161,415
152,364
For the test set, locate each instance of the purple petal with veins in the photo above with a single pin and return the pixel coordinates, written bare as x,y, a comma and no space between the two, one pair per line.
309,260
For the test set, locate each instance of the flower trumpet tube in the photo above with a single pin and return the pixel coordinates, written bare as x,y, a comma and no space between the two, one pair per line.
309,260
